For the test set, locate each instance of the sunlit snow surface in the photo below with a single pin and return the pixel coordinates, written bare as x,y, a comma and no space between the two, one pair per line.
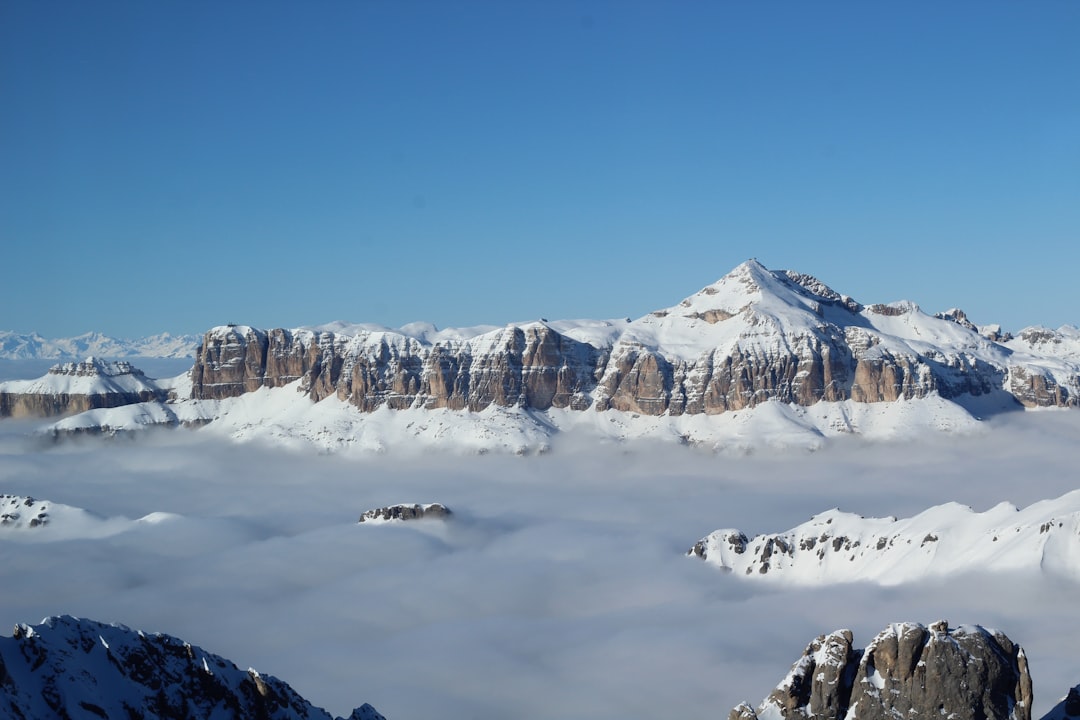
559,588
287,417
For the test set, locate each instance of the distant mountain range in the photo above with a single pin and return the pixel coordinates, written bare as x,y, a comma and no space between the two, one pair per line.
809,363
15,346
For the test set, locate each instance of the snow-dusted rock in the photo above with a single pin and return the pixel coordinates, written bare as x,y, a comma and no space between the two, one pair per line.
836,546
403,512
908,670
79,669
20,511
76,387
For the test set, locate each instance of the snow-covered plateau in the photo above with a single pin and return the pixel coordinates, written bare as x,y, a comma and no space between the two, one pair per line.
79,669
758,359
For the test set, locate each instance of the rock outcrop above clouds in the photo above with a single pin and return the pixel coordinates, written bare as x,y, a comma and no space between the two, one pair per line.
755,335
837,546
76,669
907,670
76,387
406,512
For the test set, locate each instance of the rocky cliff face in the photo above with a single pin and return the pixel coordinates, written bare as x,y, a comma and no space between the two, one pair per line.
531,366
908,670
74,669
754,336
70,388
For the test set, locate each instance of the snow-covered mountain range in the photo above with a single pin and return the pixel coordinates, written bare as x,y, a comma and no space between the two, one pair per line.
837,546
16,346
759,357
79,669
753,336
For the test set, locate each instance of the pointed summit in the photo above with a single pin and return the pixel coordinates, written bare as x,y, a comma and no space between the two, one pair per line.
783,297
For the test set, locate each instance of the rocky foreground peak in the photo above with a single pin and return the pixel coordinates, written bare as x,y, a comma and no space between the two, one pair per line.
75,669
907,670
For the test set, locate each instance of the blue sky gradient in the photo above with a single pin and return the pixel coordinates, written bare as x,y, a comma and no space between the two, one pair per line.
171,166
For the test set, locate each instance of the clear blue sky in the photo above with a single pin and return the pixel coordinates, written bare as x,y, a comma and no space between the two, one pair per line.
169,166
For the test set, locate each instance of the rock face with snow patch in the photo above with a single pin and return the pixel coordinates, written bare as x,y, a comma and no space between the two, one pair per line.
908,670
406,512
836,546
76,387
78,669
755,335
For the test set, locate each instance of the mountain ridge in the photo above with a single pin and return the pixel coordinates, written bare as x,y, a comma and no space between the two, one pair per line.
754,335
837,547
784,344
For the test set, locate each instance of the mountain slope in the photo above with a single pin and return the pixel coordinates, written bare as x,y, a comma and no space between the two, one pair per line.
836,546
74,669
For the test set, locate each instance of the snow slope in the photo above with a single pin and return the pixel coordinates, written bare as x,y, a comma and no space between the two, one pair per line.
837,546
27,519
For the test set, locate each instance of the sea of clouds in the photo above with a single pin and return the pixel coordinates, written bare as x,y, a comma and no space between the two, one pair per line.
560,589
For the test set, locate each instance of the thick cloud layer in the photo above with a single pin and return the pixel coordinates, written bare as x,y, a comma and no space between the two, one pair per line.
559,589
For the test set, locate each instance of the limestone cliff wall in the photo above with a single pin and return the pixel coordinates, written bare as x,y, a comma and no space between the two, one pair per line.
535,366
531,366
24,405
